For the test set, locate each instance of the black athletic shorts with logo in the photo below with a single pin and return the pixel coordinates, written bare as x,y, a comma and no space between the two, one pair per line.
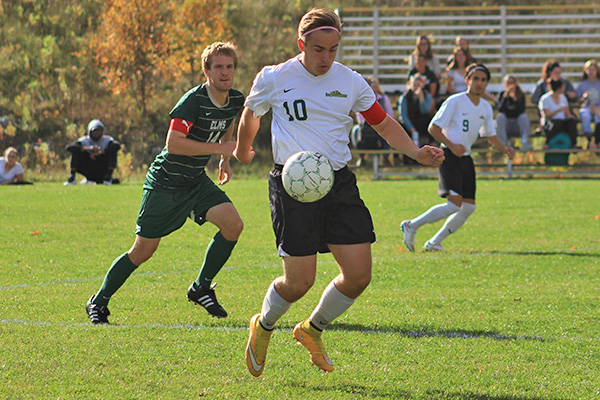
457,174
303,229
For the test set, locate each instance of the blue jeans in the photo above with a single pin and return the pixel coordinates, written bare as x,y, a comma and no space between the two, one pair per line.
519,125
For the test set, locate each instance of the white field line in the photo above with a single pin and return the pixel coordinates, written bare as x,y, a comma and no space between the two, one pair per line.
408,334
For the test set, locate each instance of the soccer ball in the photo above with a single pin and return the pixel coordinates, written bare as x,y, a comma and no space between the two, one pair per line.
307,176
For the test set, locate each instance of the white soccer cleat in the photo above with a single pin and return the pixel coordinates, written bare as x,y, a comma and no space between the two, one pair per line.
409,235
430,246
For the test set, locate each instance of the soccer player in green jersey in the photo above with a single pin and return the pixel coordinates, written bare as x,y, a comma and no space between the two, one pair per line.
177,187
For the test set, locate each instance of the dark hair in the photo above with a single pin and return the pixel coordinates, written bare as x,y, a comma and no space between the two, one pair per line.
316,18
548,67
452,64
429,53
555,84
478,67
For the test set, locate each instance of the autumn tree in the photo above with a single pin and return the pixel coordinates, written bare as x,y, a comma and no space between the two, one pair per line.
41,71
149,52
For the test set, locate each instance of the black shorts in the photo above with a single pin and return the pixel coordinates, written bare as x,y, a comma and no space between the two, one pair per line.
457,174
303,229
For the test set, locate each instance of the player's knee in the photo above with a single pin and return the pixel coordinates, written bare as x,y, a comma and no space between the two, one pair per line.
354,284
363,281
467,208
140,256
454,205
233,229
296,289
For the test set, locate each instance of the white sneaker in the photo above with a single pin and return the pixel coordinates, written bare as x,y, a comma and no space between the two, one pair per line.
430,246
409,235
84,181
107,183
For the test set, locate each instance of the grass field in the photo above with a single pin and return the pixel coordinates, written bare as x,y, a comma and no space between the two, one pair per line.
509,311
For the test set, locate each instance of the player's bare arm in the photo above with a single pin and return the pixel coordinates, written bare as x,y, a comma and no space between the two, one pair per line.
436,132
225,171
179,143
498,145
247,130
396,136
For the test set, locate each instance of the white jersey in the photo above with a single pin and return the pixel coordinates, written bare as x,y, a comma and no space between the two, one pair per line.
462,121
310,112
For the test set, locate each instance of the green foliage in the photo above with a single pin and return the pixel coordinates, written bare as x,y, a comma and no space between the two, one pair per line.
508,312
63,63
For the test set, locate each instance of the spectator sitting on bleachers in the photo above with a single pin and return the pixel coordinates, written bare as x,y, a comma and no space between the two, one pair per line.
552,70
512,117
588,90
556,114
432,84
423,47
455,72
366,137
463,44
413,107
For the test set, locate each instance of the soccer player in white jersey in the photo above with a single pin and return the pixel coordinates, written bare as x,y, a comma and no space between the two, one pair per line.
457,125
312,97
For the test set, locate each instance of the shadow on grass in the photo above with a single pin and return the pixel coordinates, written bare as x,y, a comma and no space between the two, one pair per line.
537,253
421,333
390,392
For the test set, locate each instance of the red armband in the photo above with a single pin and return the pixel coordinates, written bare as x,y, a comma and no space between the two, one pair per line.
374,115
181,125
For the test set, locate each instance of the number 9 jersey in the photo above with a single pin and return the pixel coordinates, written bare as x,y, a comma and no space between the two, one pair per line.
462,121
310,112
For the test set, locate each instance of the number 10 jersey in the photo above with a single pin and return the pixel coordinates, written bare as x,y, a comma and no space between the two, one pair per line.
310,112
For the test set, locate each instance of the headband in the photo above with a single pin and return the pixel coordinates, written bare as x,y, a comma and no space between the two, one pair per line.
479,68
320,28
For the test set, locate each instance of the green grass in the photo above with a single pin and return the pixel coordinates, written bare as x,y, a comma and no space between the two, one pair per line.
509,311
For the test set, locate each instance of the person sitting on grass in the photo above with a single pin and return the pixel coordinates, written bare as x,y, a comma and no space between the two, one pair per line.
11,170
94,156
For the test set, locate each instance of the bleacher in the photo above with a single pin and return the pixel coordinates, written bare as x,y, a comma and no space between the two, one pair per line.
507,39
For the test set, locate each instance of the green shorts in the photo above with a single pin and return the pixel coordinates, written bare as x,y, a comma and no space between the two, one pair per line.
166,210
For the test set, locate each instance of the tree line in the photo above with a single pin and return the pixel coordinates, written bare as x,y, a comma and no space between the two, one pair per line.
127,62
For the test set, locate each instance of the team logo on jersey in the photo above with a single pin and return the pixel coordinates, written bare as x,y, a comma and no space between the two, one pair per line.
481,117
336,93
218,125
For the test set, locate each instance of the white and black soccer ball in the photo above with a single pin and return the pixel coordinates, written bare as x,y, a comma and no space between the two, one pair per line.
307,176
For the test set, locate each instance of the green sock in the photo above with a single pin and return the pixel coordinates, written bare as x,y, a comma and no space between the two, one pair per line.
116,276
217,254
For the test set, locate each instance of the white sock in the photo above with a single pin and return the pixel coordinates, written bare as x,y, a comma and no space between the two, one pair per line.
434,214
333,303
273,308
454,222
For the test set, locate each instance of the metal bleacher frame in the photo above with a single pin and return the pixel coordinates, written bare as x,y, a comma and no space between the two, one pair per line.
507,39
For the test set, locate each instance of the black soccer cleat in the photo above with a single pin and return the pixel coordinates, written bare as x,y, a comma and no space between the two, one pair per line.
97,313
207,299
